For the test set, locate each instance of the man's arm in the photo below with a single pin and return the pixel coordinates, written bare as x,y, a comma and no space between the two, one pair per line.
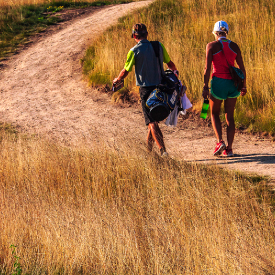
130,62
168,61
121,75
171,66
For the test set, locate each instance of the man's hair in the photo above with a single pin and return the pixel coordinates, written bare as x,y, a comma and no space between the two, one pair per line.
140,31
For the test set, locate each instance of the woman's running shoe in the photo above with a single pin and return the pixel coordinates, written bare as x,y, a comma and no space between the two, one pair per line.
228,153
219,148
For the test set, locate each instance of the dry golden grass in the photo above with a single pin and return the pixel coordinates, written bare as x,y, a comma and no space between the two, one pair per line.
105,211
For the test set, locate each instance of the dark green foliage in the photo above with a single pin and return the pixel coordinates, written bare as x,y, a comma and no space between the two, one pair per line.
20,22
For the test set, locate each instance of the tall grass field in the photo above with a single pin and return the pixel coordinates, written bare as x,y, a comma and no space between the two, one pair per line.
185,28
103,211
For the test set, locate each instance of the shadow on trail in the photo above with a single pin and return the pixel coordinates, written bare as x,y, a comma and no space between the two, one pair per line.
259,158
255,158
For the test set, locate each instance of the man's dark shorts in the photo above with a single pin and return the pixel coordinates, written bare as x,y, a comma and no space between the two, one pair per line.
144,94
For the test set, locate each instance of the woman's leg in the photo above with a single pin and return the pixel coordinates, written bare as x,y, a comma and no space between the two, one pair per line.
215,108
229,107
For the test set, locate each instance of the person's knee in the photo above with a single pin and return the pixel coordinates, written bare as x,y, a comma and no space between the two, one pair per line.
230,120
153,125
215,112
215,115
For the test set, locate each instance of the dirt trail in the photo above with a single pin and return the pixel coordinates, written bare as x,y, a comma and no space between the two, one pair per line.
42,91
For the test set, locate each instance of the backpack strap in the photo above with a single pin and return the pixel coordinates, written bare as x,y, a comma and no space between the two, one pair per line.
224,55
156,45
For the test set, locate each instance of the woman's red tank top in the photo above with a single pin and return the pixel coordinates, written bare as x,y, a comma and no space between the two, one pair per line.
220,66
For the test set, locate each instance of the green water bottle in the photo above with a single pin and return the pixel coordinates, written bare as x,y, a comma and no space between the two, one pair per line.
205,107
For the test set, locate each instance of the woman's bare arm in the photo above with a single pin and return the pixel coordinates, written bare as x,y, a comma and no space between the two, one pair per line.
207,69
239,60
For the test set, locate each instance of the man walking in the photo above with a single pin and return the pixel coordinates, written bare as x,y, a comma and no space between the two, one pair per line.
148,71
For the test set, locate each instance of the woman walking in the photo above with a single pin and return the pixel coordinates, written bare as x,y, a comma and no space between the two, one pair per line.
221,53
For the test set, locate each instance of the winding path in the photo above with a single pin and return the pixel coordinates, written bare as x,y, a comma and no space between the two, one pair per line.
42,91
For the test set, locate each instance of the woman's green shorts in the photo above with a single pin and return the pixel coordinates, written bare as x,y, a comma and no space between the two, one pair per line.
223,88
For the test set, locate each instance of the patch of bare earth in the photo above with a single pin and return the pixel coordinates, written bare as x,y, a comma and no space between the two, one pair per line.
42,92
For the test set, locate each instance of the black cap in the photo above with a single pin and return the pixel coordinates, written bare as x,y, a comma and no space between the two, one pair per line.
139,29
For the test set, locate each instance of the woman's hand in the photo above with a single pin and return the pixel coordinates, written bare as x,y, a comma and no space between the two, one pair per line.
205,92
243,91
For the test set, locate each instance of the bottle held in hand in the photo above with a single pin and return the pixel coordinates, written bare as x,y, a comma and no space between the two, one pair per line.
205,107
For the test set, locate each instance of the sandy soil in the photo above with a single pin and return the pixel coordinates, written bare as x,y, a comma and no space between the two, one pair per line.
42,91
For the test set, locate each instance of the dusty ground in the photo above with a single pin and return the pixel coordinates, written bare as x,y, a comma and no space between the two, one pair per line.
42,91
